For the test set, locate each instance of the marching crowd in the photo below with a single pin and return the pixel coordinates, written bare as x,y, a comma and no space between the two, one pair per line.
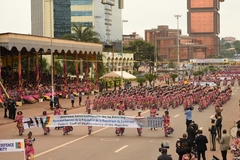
192,144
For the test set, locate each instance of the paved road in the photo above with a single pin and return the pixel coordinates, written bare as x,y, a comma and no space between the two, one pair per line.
103,144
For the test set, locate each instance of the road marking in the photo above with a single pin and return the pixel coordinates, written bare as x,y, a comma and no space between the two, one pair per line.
232,93
237,87
50,150
176,115
200,128
121,148
212,116
109,139
78,139
235,90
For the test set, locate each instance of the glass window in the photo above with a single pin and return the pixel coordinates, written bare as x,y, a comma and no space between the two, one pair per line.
85,24
81,2
81,13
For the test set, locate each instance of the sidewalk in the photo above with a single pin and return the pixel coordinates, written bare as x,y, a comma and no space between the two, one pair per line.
36,109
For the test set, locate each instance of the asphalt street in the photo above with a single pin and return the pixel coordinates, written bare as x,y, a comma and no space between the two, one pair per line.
104,144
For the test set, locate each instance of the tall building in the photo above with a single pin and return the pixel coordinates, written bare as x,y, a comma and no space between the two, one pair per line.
51,18
165,41
204,24
106,18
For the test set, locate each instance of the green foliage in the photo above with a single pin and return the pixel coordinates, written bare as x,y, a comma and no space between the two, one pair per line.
58,67
198,73
150,77
173,76
171,65
141,80
82,34
143,53
100,66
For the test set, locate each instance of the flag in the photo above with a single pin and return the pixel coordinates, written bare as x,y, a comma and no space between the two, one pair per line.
120,54
19,145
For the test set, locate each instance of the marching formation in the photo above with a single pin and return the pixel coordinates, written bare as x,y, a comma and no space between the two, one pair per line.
153,98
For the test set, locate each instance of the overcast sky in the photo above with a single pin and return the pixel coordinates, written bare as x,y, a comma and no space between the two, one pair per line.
141,15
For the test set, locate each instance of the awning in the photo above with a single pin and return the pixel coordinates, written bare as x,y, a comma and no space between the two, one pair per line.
118,74
28,43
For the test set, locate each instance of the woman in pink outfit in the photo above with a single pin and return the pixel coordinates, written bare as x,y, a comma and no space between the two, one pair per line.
29,150
19,120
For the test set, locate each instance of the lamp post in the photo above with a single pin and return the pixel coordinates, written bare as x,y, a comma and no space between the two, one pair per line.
123,21
178,58
52,60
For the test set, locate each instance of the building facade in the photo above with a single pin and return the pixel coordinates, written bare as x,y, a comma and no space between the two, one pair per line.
52,18
165,41
204,24
131,37
116,61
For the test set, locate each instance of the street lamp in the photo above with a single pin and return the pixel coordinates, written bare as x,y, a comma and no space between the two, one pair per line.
123,21
178,58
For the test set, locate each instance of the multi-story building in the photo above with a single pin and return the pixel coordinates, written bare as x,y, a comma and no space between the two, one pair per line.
116,61
53,18
165,41
131,37
229,39
204,24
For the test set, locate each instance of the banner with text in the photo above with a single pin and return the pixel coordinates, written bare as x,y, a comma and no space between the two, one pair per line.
93,120
12,145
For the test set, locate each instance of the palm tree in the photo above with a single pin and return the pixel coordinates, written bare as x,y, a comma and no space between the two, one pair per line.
82,34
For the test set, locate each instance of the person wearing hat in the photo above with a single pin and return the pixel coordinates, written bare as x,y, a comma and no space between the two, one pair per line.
139,130
213,133
46,130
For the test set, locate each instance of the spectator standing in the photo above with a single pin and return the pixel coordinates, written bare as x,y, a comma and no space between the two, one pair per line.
164,155
224,144
72,99
201,147
79,98
213,133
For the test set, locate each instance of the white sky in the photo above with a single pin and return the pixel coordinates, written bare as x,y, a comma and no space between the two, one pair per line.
141,14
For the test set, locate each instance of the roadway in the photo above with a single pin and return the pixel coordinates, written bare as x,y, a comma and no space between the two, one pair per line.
103,144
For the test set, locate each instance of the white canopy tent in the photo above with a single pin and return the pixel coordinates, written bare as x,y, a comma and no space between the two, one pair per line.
118,74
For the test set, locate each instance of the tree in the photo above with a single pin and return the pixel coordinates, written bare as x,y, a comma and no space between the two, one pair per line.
171,65
236,45
141,80
82,34
143,53
173,76
150,77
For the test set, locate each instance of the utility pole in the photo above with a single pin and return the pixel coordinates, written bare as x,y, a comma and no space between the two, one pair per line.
178,58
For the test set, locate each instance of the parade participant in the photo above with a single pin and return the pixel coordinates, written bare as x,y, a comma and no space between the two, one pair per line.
188,155
95,101
19,120
121,106
66,129
224,144
213,133
201,147
219,124
89,127
188,113
235,147
118,129
139,130
166,123
51,102
46,130
87,103
153,112
29,150
72,99
57,111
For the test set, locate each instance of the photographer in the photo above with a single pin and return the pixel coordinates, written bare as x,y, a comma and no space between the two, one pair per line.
12,107
188,113
164,155
181,145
